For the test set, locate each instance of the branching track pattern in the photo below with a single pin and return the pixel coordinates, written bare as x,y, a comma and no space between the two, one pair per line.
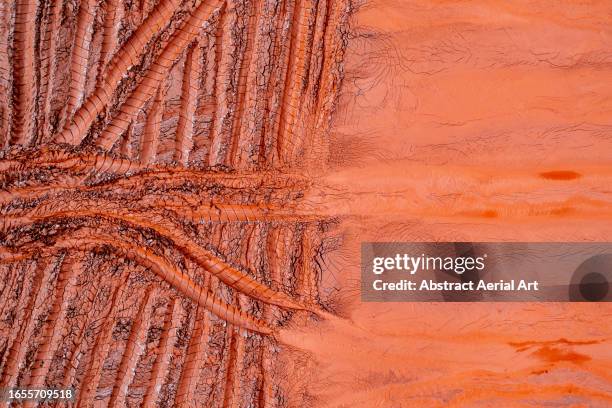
154,159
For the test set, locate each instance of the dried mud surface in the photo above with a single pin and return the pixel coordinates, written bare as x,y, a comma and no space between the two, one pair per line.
185,185
155,155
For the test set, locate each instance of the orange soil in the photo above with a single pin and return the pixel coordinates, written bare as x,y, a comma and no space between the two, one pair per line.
185,186
467,121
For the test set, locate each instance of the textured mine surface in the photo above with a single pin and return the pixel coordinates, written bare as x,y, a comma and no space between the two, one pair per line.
185,185
155,156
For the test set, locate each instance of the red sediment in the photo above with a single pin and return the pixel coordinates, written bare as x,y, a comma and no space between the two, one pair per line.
560,175
553,355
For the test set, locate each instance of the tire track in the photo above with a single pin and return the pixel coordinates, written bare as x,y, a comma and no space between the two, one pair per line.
48,56
6,73
133,349
109,39
150,136
162,362
17,349
184,129
196,351
223,100
227,274
56,322
23,72
100,350
238,149
80,56
294,81
68,377
151,82
118,67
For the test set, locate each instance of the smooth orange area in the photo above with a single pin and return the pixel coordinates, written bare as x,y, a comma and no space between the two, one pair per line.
467,121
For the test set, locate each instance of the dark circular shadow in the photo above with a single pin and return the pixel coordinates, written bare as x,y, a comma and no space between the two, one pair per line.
591,280
594,287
